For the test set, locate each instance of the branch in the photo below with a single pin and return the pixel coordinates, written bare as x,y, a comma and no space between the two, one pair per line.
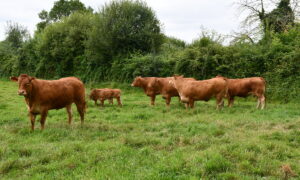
250,7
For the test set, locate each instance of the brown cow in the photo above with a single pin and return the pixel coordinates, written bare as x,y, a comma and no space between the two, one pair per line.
191,91
43,95
154,85
246,86
165,88
103,94
144,83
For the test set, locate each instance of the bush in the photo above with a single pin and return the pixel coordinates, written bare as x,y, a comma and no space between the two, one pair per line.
141,65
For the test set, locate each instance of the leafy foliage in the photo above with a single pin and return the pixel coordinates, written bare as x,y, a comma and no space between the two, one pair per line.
61,46
281,18
16,34
124,40
61,9
123,27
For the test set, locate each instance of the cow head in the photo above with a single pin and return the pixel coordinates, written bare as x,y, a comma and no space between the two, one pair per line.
177,77
25,84
137,82
92,94
171,81
174,78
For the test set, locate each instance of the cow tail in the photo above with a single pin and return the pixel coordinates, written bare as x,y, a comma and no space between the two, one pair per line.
264,82
264,89
226,88
85,107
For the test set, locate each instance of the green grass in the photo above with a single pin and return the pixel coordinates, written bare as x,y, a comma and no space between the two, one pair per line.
143,142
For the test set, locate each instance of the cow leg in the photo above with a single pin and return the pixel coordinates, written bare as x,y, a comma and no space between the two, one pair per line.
43,118
258,103
152,100
220,102
102,102
32,120
69,111
81,110
168,101
111,101
230,101
186,105
191,103
263,102
119,101
96,102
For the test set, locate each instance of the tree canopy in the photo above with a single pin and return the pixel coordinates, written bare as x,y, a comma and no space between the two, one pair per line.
60,9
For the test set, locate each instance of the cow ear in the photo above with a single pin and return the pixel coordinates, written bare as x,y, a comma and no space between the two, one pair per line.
31,79
14,78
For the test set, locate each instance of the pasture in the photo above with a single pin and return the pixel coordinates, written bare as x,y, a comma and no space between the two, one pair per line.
142,142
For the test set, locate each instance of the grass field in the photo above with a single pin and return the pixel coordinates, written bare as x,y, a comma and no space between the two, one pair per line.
143,142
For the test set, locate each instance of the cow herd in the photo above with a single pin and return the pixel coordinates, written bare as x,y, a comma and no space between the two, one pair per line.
44,95
190,90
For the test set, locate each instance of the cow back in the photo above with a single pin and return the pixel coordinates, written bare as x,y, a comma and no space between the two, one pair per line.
56,94
244,87
203,90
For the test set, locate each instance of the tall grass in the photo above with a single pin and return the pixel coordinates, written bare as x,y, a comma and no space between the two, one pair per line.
142,142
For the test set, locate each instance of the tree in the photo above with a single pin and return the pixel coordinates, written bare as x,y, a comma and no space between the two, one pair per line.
61,46
127,26
260,18
61,8
16,34
281,18
122,28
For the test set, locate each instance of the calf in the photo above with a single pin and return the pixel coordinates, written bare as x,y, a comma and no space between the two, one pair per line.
246,86
191,91
43,95
103,94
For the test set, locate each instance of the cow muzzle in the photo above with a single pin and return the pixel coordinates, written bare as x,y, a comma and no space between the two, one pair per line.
22,93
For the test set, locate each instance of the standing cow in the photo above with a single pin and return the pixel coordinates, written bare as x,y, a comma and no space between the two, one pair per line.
44,95
165,88
191,91
144,83
246,86
155,85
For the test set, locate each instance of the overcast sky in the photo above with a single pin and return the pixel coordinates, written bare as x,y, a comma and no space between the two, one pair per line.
182,19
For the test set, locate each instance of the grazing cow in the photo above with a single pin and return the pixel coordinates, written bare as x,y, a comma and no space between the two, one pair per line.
191,91
154,85
246,86
103,94
43,95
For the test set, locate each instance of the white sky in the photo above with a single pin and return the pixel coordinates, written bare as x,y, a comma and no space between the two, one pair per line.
182,19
